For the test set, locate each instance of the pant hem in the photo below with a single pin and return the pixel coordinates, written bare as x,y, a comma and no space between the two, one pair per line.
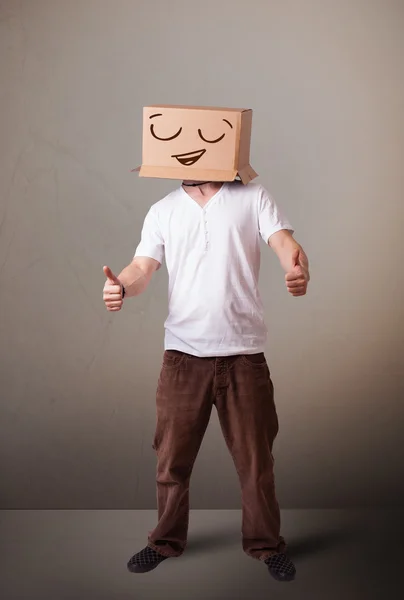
265,554
167,553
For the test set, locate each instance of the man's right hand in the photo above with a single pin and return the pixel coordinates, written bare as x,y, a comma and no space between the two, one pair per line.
112,293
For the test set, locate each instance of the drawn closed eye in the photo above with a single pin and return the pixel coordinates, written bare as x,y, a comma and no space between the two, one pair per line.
217,139
210,141
166,139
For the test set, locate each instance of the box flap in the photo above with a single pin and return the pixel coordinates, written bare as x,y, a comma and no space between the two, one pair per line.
178,173
247,174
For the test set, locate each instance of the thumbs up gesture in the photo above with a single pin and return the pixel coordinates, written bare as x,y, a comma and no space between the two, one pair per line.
112,293
298,276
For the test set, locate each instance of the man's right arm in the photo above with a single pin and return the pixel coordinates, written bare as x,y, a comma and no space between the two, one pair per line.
134,278
137,275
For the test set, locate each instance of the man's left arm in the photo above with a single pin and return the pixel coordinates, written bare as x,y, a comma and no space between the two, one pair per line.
293,260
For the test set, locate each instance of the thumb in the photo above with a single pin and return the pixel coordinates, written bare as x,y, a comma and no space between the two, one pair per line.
295,258
109,274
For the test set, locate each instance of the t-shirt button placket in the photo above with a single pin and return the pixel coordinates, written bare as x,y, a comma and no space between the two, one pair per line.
206,232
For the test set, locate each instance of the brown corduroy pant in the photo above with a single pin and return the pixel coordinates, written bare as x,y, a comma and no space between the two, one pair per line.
241,389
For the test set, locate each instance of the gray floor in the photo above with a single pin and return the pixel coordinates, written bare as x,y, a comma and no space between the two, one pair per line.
81,555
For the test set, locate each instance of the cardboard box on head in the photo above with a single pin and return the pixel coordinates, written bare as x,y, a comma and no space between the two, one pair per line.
196,143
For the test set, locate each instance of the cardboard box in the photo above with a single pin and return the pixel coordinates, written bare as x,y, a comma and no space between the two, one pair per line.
196,143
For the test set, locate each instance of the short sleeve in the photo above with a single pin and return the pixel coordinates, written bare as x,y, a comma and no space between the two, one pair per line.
270,217
151,242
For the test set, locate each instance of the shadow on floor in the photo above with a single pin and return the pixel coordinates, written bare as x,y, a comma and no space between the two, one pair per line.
316,543
213,540
300,547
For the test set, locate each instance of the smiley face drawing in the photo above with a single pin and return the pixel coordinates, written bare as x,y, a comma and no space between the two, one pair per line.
187,158
182,142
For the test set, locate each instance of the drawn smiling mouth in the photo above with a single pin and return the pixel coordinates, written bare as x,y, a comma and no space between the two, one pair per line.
189,158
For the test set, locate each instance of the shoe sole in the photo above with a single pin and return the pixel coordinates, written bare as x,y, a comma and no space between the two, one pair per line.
139,569
287,578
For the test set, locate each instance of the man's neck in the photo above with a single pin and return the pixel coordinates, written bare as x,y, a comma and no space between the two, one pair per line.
200,191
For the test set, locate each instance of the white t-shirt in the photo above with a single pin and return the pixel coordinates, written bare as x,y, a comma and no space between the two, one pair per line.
213,260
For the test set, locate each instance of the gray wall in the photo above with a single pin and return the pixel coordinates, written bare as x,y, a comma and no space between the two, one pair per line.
77,383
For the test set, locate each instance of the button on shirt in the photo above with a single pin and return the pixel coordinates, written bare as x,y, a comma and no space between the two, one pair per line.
212,254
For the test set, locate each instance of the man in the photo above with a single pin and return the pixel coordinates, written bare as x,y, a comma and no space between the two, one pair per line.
209,234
